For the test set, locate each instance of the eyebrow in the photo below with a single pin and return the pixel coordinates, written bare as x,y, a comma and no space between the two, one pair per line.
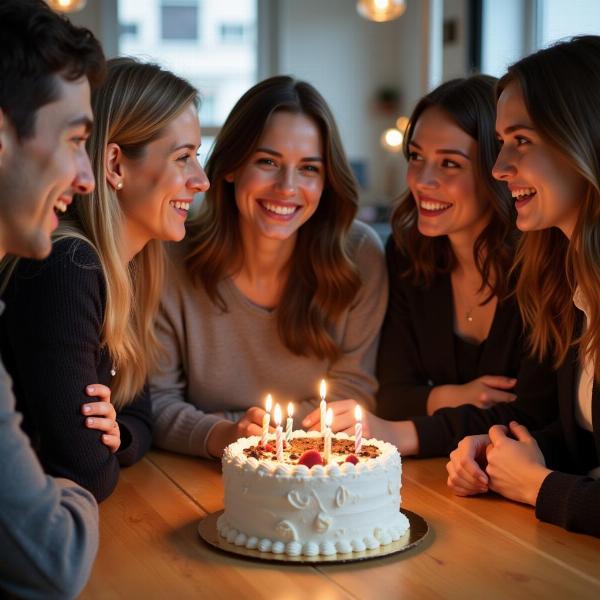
85,121
184,146
518,126
443,150
279,155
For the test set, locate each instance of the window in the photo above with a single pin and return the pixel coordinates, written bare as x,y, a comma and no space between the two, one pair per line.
187,37
179,22
558,19
232,32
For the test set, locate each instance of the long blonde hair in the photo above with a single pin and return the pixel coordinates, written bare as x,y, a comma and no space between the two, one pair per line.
131,109
549,266
323,279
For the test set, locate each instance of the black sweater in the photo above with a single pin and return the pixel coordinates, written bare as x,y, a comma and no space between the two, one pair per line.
417,351
568,497
50,340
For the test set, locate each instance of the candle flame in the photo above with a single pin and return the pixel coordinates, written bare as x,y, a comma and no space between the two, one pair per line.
323,389
269,403
277,415
290,409
329,417
358,412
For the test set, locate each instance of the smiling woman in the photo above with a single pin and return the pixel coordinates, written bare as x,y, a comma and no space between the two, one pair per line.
86,314
275,287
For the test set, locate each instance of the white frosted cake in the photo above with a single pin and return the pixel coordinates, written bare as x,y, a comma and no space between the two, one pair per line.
292,508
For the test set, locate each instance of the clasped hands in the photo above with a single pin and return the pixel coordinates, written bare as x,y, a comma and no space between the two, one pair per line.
507,461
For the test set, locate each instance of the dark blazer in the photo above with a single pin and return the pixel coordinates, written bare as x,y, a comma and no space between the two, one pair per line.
568,497
50,339
417,352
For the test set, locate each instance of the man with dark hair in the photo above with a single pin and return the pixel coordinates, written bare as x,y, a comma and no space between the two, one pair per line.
48,527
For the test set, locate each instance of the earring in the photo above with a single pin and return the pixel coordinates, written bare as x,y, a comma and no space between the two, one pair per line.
119,185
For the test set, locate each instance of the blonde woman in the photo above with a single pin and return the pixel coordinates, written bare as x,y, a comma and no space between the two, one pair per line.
85,315
550,161
275,287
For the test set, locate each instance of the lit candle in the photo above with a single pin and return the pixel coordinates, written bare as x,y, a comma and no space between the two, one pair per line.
323,405
278,433
327,438
266,420
357,429
289,423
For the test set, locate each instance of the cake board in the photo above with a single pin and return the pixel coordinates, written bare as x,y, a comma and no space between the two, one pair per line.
418,530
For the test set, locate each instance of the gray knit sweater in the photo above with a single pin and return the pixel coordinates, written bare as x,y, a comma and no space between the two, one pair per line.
217,365
48,527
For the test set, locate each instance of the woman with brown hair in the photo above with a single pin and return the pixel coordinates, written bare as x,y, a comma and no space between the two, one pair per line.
276,286
82,321
452,341
550,162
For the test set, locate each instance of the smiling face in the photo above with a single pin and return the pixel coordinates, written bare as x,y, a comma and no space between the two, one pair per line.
279,187
41,173
441,178
159,187
545,186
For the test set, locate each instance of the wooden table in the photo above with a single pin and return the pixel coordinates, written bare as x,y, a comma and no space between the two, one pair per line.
482,547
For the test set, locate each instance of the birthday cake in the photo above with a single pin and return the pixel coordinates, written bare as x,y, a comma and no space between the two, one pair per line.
299,506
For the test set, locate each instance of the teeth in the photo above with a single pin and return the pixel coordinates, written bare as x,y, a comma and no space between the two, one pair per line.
180,205
60,206
428,205
280,210
523,192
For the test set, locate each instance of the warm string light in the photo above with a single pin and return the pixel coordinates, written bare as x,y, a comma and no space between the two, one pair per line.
66,6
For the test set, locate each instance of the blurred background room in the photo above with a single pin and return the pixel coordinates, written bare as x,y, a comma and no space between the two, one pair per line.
370,71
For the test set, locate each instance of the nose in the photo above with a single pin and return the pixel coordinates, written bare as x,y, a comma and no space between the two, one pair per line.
286,183
198,182
504,167
83,183
426,177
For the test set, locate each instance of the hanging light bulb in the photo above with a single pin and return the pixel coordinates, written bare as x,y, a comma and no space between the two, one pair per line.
66,6
380,10
391,140
402,124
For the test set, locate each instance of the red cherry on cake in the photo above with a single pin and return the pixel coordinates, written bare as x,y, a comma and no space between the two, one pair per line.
310,458
352,458
268,448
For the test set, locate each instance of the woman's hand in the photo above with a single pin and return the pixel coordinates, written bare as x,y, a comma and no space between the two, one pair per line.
226,432
343,419
402,434
483,392
101,415
516,467
465,469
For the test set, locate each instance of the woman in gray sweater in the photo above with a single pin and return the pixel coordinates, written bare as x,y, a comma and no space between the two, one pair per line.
276,286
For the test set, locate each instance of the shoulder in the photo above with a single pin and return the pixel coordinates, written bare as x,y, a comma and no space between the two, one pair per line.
72,269
364,245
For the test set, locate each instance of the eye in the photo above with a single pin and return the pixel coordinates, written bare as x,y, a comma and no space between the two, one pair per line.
311,169
184,158
79,140
521,141
414,156
268,162
450,164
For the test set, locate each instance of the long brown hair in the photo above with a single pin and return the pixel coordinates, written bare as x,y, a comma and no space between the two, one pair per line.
561,90
471,104
323,279
132,108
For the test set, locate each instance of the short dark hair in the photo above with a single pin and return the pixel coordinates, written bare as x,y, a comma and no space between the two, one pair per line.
36,46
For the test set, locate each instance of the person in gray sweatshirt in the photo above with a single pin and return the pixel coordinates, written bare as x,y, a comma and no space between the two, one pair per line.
48,527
